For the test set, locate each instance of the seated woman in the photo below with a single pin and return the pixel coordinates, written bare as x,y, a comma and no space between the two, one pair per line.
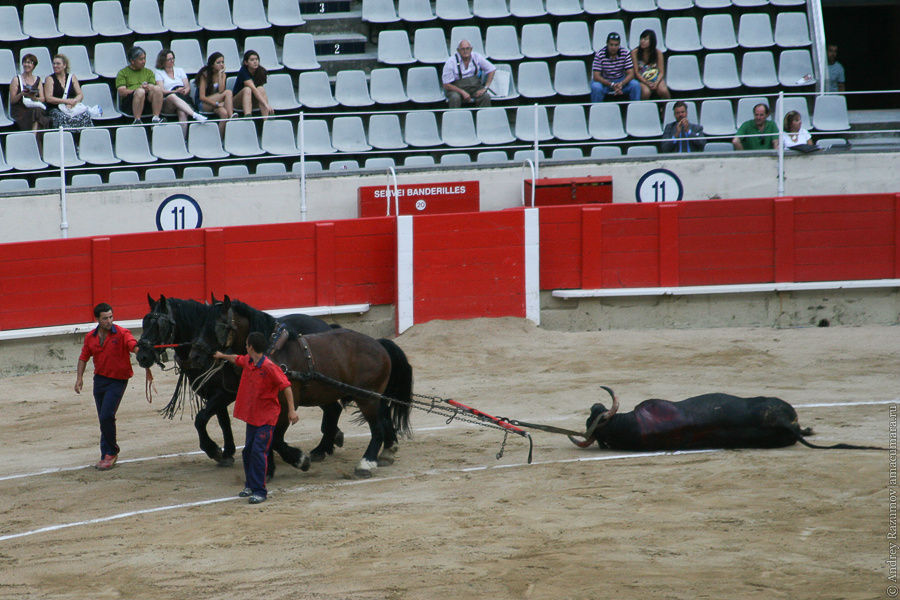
27,87
650,67
63,91
176,88
248,87
794,133
211,93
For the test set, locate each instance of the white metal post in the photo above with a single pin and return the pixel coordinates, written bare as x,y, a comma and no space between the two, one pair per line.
63,209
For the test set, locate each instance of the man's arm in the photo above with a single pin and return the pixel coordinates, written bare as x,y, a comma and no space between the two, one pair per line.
79,375
287,403
697,141
668,144
229,357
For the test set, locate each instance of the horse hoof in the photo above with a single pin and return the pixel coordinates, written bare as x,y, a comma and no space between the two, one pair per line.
303,463
365,468
339,439
386,458
227,461
317,455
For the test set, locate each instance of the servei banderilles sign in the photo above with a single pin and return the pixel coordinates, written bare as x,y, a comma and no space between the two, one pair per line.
420,198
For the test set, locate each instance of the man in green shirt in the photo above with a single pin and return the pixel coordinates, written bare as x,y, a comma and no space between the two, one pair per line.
136,84
748,135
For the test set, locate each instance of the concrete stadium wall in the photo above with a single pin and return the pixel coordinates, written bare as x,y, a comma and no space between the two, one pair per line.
101,211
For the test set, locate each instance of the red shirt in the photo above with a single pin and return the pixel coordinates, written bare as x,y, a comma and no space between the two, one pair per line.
113,358
257,398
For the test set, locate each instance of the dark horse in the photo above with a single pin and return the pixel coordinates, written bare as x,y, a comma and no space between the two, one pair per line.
176,321
343,355
227,326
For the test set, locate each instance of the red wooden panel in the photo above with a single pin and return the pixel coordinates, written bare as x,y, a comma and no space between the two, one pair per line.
668,243
325,264
844,221
840,272
723,259
214,262
882,236
101,270
785,239
560,255
726,225
841,203
727,276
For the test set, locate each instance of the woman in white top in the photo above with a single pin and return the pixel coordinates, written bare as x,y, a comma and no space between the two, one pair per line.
176,89
794,133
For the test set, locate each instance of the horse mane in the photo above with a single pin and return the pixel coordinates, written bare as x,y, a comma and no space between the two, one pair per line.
258,320
189,313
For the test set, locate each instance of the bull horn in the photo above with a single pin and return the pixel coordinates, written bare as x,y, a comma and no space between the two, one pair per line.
601,419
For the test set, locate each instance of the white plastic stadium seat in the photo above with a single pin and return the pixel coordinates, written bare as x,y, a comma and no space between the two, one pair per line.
299,52
385,132
638,25
573,39
430,45
316,138
755,31
233,172
51,149
96,147
415,11
86,180
132,145
159,175
525,124
682,34
569,123
39,22
830,113
683,73
264,45
421,160
423,85
22,152
280,89
642,120
278,137
108,19
348,135
393,48
314,90
605,121
270,169
420,129
178,16
386,86
215,15
249,14
229,50
758,69
458,128
10,28
717,117
533,78
75,20
240,138
466,32
536,40
720,71
570,78
79,63
492,126
791,29
167,142
109,58
452,10
717,32
195,173
144,17
795,68
284,13
490,9
204,141
126,177
379,11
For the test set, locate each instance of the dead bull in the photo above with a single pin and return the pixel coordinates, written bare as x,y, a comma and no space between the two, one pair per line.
707,421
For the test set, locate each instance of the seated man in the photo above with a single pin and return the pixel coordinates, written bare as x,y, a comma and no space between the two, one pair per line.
749,133
136,84
681,135
613,73
461,80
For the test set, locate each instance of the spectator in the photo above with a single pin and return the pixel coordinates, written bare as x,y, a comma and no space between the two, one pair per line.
176,88
248,87
136,85
461,77
681,135
649,67
26,99
834,73
613,72
63,90
750,133
212,94
794,133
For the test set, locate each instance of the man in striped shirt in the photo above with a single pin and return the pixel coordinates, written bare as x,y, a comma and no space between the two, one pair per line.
613,73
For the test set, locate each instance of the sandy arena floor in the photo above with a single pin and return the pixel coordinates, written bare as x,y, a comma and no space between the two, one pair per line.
449,521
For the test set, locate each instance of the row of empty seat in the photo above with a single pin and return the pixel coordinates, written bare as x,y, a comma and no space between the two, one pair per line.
419,11
145,17
383,131
573,38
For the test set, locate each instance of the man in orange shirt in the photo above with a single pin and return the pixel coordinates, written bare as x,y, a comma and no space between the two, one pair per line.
257,404
110,346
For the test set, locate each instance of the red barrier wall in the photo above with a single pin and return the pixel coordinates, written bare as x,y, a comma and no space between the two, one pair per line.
465,265
469,265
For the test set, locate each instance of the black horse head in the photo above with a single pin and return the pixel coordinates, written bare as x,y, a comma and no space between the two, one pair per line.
158,329
217,333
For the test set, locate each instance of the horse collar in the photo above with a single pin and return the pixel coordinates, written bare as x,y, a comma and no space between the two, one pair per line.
307,352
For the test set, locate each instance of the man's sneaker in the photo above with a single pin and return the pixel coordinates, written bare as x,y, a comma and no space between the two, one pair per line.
257,499
199,118
245,493
137,122
108,462
157,119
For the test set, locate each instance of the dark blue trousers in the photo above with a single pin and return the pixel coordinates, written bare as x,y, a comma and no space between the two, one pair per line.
256,454
107,395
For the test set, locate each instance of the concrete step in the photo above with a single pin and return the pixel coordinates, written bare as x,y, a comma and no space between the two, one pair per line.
339,43
337,62
350,20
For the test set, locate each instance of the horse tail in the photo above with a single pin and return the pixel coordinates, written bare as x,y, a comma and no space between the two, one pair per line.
399,387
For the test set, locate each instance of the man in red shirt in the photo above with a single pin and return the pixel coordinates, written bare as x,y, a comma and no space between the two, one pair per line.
110,346
257,404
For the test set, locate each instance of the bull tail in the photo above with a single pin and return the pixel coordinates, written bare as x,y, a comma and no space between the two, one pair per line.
798,433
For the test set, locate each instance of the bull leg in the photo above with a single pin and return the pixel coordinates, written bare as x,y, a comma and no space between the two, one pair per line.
369,462
330,432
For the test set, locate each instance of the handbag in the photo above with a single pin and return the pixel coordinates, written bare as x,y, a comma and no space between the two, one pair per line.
28,102
80,108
